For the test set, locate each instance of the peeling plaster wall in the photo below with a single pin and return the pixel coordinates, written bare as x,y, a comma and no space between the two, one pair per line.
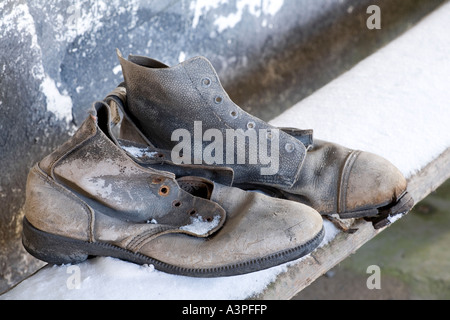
57,57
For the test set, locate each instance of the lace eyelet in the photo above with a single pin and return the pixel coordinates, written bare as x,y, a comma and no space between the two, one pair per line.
218,100
206,82
176,203
164,191
289,147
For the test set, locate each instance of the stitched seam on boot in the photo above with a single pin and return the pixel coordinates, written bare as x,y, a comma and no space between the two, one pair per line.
138,241
343,185
89,212
92,134
238,265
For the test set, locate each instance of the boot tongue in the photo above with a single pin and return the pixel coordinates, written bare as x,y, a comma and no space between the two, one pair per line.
197,187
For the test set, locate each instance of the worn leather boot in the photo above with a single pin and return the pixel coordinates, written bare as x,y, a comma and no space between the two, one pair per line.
157,100
189,96
88,198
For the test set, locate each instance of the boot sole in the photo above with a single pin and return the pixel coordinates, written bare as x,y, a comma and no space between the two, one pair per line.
384,215
56,249
380,216
390,213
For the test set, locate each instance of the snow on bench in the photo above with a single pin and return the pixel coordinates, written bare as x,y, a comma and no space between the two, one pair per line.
395,103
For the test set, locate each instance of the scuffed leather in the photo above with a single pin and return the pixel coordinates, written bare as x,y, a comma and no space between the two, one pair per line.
386,180
48,203
319,181
107,181
258,221
336,179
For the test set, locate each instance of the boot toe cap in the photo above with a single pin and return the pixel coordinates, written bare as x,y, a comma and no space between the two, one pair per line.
372,182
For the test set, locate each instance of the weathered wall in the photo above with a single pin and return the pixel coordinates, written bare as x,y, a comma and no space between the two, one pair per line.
57,57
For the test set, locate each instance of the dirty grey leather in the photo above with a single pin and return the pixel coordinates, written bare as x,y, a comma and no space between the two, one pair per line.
262,224
162,99
336,179
101,176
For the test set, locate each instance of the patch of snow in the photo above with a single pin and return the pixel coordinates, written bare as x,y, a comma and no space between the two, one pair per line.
117,69
254,7
59,104
139,152
86,16
97,186
271,7
331,231
109,278
223,22
201,226
200,7
392,219
229,21
182,57
21,21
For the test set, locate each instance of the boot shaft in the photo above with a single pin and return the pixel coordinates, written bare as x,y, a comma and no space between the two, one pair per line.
185,107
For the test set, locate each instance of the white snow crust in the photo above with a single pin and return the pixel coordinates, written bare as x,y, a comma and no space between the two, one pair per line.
200,226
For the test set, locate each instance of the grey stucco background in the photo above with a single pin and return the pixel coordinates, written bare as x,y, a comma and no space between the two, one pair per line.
57,57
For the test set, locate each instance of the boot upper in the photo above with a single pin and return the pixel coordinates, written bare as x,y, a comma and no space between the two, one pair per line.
162,99
336,179
102,177
91,191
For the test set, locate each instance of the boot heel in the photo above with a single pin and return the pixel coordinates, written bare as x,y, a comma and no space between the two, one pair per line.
52,248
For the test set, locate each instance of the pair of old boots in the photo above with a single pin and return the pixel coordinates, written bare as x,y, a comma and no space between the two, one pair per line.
156,175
